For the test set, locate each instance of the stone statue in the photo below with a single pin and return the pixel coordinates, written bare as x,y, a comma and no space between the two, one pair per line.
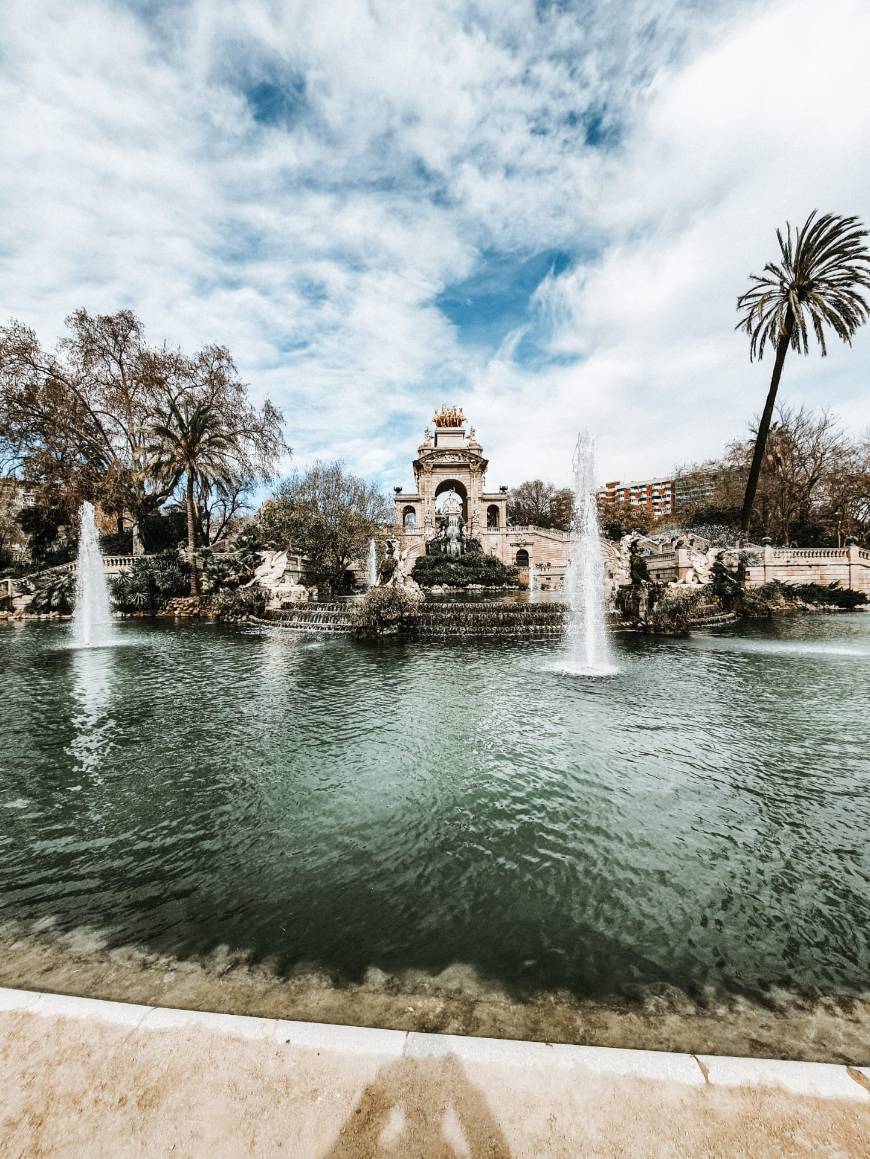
454,529
449,416
395,570
638,570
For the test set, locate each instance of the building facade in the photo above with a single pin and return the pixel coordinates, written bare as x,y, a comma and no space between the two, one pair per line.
658,496
450,469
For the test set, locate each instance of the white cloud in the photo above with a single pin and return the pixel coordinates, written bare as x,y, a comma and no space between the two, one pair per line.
768,122
136,174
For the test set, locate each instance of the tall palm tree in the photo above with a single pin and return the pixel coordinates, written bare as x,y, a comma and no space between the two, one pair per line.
190,441
823,269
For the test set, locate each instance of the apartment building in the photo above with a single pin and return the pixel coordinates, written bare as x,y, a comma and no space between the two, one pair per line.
657,495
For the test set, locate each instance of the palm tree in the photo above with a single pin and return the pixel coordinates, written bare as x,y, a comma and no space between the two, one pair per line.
190,441
818,281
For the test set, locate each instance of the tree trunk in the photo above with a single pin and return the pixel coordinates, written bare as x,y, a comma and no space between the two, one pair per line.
764,425
191,538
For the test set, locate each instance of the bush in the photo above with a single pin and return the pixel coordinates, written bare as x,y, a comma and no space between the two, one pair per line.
163,531
228,571
48,534
759,603
473,568
151,583
121,543
763,601
673,612
239,603
826,595
54,592
386,612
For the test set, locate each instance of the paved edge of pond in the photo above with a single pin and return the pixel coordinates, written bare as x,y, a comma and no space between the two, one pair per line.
811,1079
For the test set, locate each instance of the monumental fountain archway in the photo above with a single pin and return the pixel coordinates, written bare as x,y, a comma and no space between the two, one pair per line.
443,490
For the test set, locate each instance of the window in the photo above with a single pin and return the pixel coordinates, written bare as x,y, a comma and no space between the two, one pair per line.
409,519
492,517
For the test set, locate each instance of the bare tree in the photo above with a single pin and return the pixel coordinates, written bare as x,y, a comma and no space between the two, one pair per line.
81,419
539,504
76,417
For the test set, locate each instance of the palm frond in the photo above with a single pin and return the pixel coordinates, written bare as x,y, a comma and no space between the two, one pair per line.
818,284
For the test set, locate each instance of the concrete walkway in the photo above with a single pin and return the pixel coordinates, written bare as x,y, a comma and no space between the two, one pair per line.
86,1078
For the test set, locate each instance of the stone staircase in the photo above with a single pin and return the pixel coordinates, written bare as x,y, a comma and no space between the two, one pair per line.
712,616
491,619
435,620
315,617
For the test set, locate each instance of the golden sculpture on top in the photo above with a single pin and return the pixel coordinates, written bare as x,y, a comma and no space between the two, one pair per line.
448,416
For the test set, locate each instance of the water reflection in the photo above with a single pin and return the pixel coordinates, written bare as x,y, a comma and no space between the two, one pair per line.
91,720
696,820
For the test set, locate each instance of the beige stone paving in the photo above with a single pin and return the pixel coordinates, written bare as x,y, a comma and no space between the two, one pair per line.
78,1087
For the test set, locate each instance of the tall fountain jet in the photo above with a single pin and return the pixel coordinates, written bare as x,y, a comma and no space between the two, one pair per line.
587,624
372,566
92,618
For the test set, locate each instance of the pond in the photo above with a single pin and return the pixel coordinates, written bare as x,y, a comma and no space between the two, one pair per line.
696,822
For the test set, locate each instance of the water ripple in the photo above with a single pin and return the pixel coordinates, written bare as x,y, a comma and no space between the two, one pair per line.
697,818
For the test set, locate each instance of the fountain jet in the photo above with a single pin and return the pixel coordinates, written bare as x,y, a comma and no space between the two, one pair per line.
587,625
92,618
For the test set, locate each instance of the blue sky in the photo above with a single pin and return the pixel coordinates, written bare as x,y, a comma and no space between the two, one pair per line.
542,212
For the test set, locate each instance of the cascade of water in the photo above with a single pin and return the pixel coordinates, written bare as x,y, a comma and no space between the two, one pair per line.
587,626
92,618
372,567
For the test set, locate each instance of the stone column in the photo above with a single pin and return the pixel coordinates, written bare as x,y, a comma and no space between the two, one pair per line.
683,563
767,555
852,557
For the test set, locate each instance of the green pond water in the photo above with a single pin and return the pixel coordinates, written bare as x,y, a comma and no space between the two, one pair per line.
700,818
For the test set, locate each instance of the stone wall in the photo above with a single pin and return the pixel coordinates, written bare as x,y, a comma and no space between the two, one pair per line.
847,566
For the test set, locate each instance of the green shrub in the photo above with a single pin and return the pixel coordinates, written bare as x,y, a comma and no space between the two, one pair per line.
151,583
673,612
826,595
229,571
473,568
121,543
763,601
759,603
238,603
54,592
386,611
164,530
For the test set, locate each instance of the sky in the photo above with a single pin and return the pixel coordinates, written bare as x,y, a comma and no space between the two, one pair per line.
542,212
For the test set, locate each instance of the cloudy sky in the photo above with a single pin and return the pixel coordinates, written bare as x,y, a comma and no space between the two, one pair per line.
540,211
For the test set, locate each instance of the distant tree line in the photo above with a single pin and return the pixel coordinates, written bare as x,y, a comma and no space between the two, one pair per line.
539,504
812,489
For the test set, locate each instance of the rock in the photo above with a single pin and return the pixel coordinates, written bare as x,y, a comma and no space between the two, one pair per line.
188,607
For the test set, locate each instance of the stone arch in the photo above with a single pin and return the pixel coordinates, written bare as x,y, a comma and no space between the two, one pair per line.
522,558
453,484
492,517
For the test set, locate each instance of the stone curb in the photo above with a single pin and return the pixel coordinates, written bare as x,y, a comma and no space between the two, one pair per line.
814,1079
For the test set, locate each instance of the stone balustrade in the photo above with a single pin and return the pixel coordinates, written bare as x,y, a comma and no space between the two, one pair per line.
112,564
847,566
